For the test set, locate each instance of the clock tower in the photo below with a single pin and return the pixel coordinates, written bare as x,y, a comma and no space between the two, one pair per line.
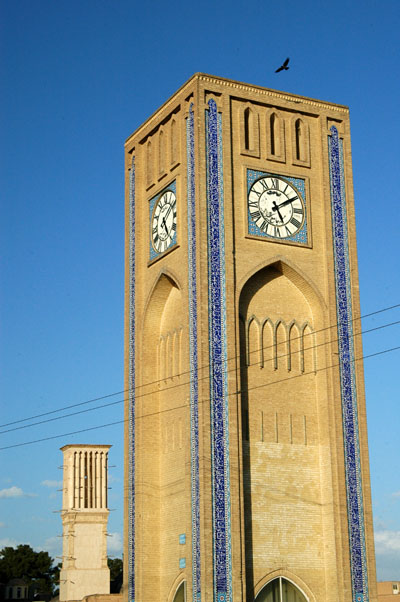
247,474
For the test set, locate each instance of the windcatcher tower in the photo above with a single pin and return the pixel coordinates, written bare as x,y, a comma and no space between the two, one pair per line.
84,515
247,472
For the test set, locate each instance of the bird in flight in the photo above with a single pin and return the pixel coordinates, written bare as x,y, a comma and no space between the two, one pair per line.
284,66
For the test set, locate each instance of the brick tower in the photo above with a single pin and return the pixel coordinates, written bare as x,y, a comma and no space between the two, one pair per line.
246,444
84,516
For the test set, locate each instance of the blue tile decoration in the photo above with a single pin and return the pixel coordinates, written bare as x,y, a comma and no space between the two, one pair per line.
182,563
194,383
182,538
152,252
222,561
302,235
131,392
355,508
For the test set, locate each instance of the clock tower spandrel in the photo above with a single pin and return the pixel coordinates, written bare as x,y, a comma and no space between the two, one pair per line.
247,474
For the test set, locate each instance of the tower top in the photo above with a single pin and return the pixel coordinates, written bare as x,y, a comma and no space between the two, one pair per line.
238,89
84,445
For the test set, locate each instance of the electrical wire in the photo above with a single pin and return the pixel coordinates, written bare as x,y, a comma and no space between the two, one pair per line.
186,404
201,378
123,391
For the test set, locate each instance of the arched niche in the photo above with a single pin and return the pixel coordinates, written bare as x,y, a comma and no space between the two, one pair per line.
275,137
163,425
300,142
162,322
250,128
282,327
149,164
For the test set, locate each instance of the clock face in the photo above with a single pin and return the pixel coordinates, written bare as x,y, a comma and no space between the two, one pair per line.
276,207
163,221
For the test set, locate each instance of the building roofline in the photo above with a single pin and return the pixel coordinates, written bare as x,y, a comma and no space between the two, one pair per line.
213,79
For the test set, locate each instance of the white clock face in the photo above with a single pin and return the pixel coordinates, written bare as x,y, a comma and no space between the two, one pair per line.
276,207
164,221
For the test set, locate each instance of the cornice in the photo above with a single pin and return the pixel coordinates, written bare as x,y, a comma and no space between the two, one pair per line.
273,93
235,85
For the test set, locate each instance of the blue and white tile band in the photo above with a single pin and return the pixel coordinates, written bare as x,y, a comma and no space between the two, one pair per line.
218,359
131,392
194,379
355,508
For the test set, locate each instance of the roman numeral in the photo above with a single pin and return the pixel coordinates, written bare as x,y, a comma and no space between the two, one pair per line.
295,222
298,210
255,215
288,231
275,183
263,184
277,232
174,226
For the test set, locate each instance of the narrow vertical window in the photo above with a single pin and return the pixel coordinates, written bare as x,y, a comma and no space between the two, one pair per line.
149,158
174,142
248,129
161,153
272,133
299,139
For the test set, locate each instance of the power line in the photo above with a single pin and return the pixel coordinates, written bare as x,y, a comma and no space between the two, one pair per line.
186,405
75,405
188,382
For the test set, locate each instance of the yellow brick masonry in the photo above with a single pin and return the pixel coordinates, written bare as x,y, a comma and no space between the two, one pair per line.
288,495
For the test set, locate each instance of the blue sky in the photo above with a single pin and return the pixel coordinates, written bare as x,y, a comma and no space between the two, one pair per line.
77,79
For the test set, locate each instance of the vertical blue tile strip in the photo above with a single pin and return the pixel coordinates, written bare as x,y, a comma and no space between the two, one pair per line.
355,509
218,359
194,382
131,391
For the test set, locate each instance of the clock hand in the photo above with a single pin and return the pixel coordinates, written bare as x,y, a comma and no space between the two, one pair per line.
287,202
165,216
276,207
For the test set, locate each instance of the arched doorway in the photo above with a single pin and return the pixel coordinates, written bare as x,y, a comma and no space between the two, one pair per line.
180,593
280,590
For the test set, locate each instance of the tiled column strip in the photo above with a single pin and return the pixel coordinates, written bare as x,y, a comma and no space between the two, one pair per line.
131,392
218,357
194,384
347,373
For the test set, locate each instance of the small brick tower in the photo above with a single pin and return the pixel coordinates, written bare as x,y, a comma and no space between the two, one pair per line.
84,516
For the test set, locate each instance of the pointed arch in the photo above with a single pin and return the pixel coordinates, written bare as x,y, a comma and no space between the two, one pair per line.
164,332
161,152
275,136
253,342
282,586
149,164
294,343
278,408
300,141
280,344
174,141
178,591
308,349
285,266
250,130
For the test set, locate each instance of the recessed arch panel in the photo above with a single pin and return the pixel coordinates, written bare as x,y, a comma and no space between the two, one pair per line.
282,446
164,409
